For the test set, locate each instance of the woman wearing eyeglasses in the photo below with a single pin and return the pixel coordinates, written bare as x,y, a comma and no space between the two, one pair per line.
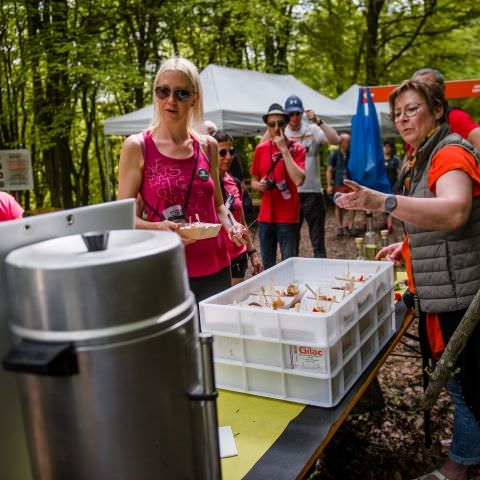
172,170
440,209
232,192
277,170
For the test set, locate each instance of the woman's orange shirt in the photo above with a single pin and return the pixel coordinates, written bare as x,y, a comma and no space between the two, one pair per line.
451,158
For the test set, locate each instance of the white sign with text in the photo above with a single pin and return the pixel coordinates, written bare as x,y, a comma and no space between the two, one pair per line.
16,170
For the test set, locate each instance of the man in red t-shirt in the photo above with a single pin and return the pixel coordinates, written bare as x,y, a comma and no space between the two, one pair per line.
277,171
459,120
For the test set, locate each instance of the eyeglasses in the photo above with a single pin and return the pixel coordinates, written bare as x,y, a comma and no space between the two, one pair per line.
295,114
179,94
223,152
277,123
409,112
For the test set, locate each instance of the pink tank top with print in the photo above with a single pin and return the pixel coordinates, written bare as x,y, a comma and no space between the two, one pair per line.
166,183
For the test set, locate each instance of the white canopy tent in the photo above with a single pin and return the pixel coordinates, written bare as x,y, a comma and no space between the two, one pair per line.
236,100
129,123
349,99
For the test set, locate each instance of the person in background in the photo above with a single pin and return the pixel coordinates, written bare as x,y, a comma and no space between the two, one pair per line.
391,161
277,171
236,168
459,120
172,171
440,211
210,127
337,172
10,209
393,166
311,134
232,192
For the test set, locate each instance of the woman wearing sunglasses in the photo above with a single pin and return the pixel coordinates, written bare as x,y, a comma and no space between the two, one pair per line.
440,210
232,192
172,170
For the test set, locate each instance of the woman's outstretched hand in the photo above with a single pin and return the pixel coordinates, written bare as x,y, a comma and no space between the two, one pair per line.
360,198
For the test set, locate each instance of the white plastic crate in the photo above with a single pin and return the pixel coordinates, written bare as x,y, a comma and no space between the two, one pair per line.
301,356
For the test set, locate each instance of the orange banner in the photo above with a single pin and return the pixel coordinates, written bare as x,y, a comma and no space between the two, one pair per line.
462,89
453,89
380,93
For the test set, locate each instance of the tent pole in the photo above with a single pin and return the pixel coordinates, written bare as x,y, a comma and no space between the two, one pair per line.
107,165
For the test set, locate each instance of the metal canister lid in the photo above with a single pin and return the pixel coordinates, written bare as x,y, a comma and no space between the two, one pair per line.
71,251
59,285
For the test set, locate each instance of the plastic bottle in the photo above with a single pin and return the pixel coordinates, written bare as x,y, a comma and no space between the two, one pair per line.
283,189
360,248
371,238
384,236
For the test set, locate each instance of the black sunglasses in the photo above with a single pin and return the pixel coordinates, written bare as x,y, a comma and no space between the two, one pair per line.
179,94
295,114
224,151
277,123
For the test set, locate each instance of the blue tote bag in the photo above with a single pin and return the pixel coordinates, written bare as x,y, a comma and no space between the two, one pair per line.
366,163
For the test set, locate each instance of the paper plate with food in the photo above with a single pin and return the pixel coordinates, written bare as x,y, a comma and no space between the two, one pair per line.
199,230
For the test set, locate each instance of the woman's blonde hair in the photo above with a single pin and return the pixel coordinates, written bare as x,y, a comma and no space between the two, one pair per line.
195,121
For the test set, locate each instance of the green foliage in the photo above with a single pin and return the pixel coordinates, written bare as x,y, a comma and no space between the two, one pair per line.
67,65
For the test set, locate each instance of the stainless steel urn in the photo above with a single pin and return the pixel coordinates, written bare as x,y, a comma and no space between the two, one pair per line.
116,382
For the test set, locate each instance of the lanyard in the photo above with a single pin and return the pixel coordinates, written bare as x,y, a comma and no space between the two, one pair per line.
187,196
407,174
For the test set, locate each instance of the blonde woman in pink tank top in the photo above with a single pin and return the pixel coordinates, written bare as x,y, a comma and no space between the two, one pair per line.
172,171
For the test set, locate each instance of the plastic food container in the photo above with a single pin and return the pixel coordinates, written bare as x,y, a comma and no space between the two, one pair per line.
313,351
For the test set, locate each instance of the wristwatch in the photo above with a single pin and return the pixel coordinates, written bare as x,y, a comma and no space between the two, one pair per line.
390,203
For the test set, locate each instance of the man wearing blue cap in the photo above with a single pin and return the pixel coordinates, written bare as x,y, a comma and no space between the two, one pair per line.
311,134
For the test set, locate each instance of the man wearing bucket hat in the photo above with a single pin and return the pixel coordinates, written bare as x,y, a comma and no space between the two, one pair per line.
277,171
311,134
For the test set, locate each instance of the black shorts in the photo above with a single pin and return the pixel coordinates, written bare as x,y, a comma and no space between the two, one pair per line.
204,287
239,265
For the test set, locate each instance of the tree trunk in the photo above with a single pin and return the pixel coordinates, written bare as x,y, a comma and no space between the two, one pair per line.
52,106
99,155
371,47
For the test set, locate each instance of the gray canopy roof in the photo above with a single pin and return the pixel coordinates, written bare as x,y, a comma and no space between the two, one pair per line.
236,100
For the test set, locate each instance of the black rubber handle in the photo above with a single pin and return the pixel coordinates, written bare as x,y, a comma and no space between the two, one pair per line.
42,358
96,241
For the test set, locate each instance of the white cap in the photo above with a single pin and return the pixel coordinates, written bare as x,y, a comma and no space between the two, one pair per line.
210,127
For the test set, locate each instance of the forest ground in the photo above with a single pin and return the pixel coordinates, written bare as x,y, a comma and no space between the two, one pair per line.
388,443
